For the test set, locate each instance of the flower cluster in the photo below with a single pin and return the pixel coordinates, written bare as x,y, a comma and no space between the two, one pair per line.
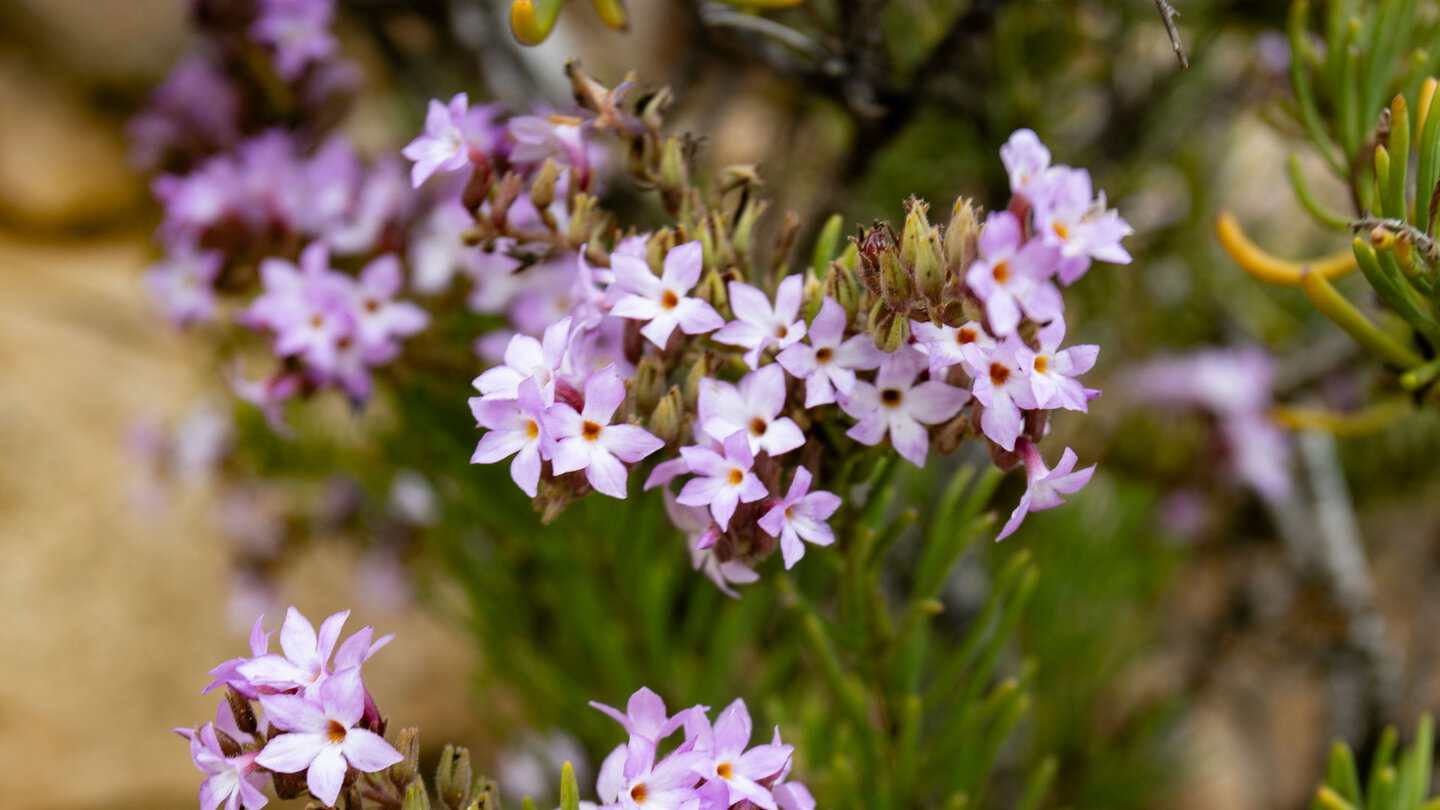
1235,386
315,717
757,384
713,768
247,192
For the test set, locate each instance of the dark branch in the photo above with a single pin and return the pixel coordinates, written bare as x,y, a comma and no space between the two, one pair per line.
1168,15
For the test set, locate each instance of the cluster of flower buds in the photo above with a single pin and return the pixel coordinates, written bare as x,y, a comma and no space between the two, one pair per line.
256,185
316,728
759,383
714,768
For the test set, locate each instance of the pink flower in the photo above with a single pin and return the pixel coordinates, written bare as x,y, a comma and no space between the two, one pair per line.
1011,277
801,515
586,440
723,482
646,721
228,673
944,344
661,301
183,283
1002,385
758,324
827,364
742,771
322,739
1026,160
1052,372
381,320
754,408
451,130
894,404
305,664
638,783
1078,224
231,781
527,358
1045,486
516,427
298,30
700,535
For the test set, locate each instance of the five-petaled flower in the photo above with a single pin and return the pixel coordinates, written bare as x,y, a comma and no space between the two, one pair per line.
585,439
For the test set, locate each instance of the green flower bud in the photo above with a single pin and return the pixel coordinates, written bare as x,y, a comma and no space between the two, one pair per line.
542,190
896,287
407,742
841,285
930,269
699,371
745,226
916,230
674,174
661,242
416,796
649,383
962,236
452,777
887,330
668,417
711,290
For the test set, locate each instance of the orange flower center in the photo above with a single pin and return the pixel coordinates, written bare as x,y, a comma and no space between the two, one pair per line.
966,335
736,476
638,793
590,431
1042,363
669,300
999,374
335,733
823,355
532,430
724,770
1001,272
890,396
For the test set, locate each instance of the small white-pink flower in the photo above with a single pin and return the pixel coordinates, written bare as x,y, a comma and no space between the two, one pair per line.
801,515
758,324
896,406
829,362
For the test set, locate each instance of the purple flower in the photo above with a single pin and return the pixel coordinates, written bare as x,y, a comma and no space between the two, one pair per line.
1044,486
944,345
641,784
195,108
384,196
827,364
894,404
380,320
305,664
1225,381
183,283
740,770
801,515
231,781
758,324
754,408
299,32
1003,387
323,740
516,427
646,721
451,131
586,440
1011,277
309,308
700,535
1052,372
1080,225
661,301
1258,451
723,482
541,137
1026,160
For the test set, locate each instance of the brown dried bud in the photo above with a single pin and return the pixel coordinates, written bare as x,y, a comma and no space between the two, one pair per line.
949,436
477,188
505,195
869,247
241,709
289,785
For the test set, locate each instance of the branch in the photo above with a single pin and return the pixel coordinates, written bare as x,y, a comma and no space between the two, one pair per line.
1168,15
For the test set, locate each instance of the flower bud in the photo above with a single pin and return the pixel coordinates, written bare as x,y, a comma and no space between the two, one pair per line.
917,228
452,777
659,245
668,417
542,190
477,188
487,795
673,172
895,283
872,244
505,195
416,796
737,176
930,269
407,742
652,109
745,226
711,290
243,712
962,236
289,785
950,435
887,330
698,372
649,383
841,285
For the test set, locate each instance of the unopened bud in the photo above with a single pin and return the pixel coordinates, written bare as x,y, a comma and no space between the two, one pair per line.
652,109
477,188
288,785
649,383
711,290
951,434
673,172
416,796
542,190
745,226
887,330
841,285
659,245
916,230
228,746
737,175
581,218
669,416
962,236
241,709
452,777
930,269
407,742
896,287
698,372
869,247
487,795
505,195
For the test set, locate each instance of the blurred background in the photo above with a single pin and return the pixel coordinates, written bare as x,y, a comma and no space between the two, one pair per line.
1202,652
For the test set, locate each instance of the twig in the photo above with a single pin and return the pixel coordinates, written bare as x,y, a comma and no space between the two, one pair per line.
1168,15
1428,247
